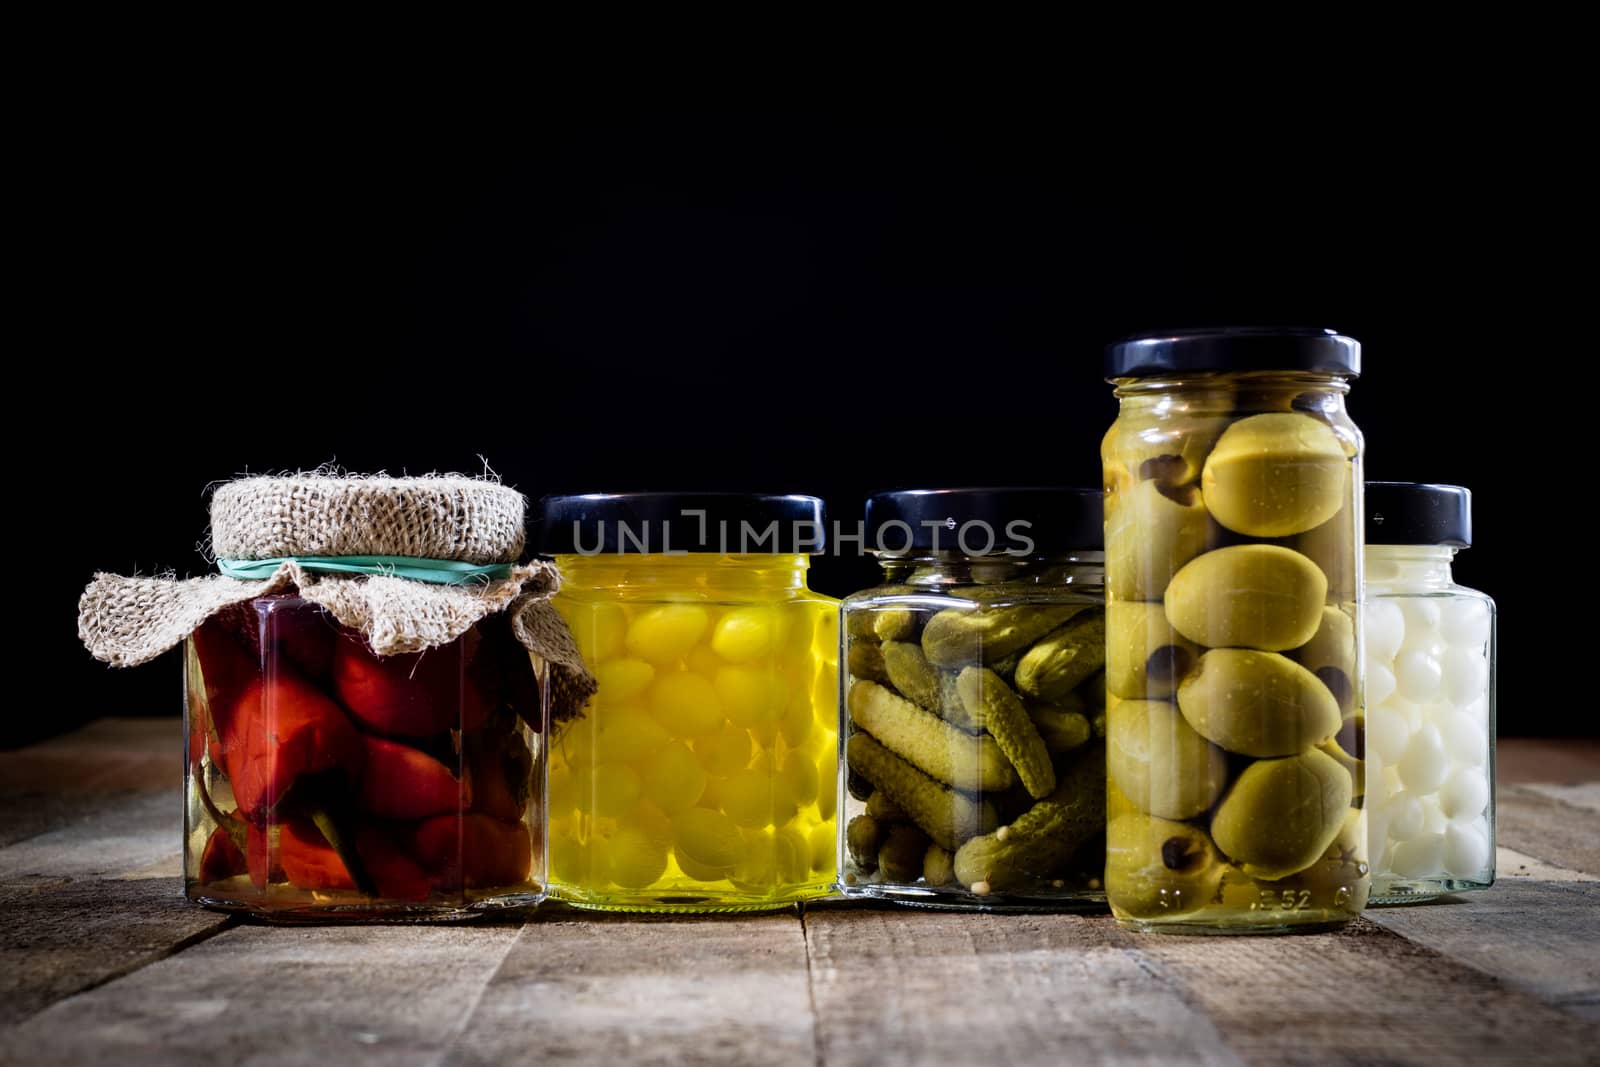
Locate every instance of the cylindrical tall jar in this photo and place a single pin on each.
(1430, 647)
(701, 777)
(973, 702)
(1233, 667)
(365, 710)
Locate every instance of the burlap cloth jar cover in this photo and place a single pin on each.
(313, 517)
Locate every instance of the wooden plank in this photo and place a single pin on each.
(1540, 937)
(106, 755)
(1585, 795)
(58, 938)
(390, 995)
(609, 989)
(1359, 996)
(914, 987)
(1546, 828)
(130, 833)
(1519, 760)
(1510, 864)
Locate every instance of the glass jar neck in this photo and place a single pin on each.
(1410, 565)
(953, 568)
(1299, 390)
(766, 572)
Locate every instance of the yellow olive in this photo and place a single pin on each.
(1157, 867)
(1276, 474)
(1152, 531)
(1247, 596)
(1257, 703)
(1282, 814)
(1336, 746)
(1145, 656)
(1160, 763)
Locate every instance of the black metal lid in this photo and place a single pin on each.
(984, 522)
(724, 523)
(1234, 348)
(1417, 513)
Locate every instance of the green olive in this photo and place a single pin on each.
(1335, 746)
(1157, 867)
(1332, 547)
(1161, 765)
(1344, 864)
(1257, 703)
(1152, 531)
(1145, 656)
(1276, 474)
(1247, 596)
(1282, 814)
(1331, 656)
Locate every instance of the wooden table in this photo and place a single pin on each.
(102, 959)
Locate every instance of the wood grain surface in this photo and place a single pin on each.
(101, 959)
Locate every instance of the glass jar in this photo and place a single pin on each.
(1430, 647)
(325, 780)
(702, 775)
(1233, 505)
(973, 701)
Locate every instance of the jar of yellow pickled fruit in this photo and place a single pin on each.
(703, 774)
(973, 703)
(1233, 620)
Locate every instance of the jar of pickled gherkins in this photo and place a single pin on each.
(1430, 717)
(702, 775)
(366, 696)
(973, 702)
(1233, 667)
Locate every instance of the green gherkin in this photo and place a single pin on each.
(1039, 844)
(862, 838)
(933, 746)
(865, 660)
(909, 671)
(900, 855)
(946, 815)
(997, 709)
(955, 638)
(1063, 658)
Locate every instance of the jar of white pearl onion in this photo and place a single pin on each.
(1430, 698)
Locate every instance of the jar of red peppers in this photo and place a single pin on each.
(368, 685)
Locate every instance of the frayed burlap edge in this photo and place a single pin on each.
(128, 621)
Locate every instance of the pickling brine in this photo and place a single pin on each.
(703, 774)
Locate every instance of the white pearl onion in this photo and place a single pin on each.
(1421, 856)
(1466, 738)
(1464, 794)
(1425, 764)
(1466, 848)
(1418, 675)
(1466, 674)
(1385, 629)
(1405, 816)
(1380, 683)
(1387, 732)
(1465, 622)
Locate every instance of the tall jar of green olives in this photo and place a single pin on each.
(1233, 654)
(973, 702)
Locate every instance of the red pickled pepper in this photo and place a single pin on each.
(309, 862)
(473, 849)
(401, 782)
(416, 694)
(270, 730)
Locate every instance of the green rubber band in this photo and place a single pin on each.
(416, 568)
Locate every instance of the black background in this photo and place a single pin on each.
(786, 299)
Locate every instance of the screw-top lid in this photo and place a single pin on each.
(1418, 513)
(725, 523)
(1023, 521)
(1234, 348)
